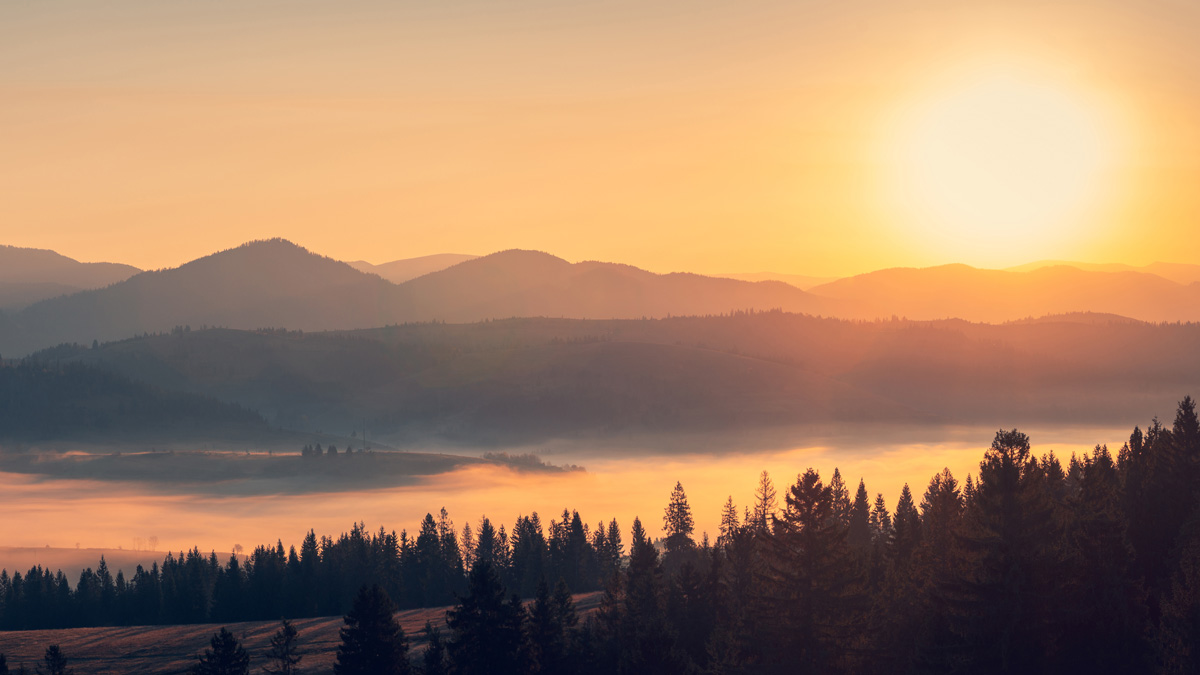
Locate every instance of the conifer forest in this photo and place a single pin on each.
(1034, 564)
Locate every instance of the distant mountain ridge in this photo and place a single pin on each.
(400, 271)
(995, 296)
(528, 380)
(275, 283)
(28, 275)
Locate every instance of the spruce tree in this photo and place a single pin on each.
(764, 505)
(283, 654)
(225, 656)
(434, 658)
(372, 642)
(841, 497)
(486, 627)
(729, 523)
(858, 534)
(1007, 596)
(678, 526)
(55, 662)
(550, 627)
(813, 586)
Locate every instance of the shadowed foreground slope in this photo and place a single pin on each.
(151, 650)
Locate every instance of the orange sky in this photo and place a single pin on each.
(702, 136)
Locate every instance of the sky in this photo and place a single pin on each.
(799, 136)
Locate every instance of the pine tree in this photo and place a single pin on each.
(56, 663)
(1008, 595)
(729, 523)
(283, 654)
(678, 523)
(881, 522)
(764, 505)
(550, 627)
(906, 530)
(486, 627)
(858, 536)
(225, 656)
(434, 658)
(812, 586)
(372, 642)
(840, 496)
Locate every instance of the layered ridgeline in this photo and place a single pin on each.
(28, 275)
(523, 380)
(278, 284)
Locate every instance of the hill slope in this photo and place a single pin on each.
(276, 283)
(28, 275)
(959, 291)
(399, 271)
(526, 380)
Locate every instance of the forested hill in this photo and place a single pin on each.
(1086, 564)
(41, 401)
(529, 379)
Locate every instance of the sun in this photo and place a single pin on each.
(1000, 166)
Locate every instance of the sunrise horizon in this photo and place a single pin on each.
(782, 337)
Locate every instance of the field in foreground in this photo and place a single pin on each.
(146, 650)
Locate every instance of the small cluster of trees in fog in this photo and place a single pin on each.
(315, 450)
(1029, 566)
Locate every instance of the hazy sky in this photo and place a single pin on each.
(712, 137)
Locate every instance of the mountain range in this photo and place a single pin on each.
(28, 275)
(275, 283)
(527, 380)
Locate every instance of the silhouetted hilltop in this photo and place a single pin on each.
(960, 291)
(276, 283)
(520, 283)
(263, 283)
(1180, 273)
(530, 379)
(28, 275)
(51, 400)
(399, 271)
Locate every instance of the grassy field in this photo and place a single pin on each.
(143, 650)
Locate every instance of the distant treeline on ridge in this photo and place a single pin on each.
(1029, 566)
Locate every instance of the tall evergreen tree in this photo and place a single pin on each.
(729, 523)
(764, 505)
(434, 657)
(678, 526)
(372, 642)
(486, 627)
(811, 585)
(858, 535)
(1008, 594)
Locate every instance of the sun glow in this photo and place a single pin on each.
(1000, 165)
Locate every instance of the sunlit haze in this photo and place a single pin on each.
(706, 138)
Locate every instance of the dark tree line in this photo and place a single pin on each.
(321, 579)
(42, 399)
(1029, 566)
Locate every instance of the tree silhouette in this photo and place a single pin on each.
(55, 662)
(283, 653)
(225, 656)
(487, 627)
(434, 658)
(372, 642)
